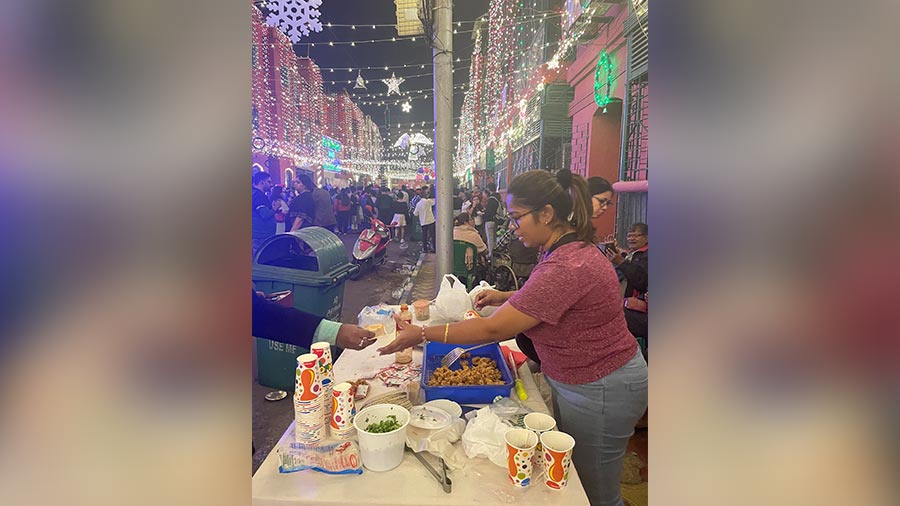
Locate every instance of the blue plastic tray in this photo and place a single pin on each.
(470, 394)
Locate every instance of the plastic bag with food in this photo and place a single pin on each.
(372, 316)
(452, 300)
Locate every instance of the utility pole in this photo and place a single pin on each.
(443, 134)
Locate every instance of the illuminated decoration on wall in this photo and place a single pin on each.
(511, 64)
(295, 18)
(290, 112)
(332, 150)
(604, 78)
(393, 83)
(406, 107)
(360, 82)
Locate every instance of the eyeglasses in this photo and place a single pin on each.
(515, 219)
(602, 202)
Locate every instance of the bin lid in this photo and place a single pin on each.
(312, 249)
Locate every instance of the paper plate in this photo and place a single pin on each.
(426, 417)
(447, 405)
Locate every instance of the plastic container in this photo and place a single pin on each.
(422, 309)
(468, 394)
(404, 356)
(381, 451)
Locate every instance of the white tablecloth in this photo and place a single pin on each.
(481, 482)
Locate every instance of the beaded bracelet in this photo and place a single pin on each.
(424, 339)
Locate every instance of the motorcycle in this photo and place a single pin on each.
(371, 247)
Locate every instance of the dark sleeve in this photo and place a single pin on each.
(261, 206)
(635, 272)
(283, 324)
(491, 211)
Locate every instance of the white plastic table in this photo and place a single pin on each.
(480, 482)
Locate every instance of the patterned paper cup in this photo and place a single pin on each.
(308, 383)
(557, 458)
(343, 409)
(520, 445)
(539, 423)
(322, 350)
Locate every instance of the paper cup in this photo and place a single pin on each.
(384, 451)
(308, 384)
(422, 309)
(539, 423)
(343, 409)
(322, 350)
(557, 458)
(520, 445)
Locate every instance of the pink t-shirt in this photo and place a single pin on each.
(576, 295)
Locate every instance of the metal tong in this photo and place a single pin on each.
(442, 478)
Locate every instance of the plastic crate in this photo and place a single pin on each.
(470, 394)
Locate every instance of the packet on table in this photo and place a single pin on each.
(335, 458)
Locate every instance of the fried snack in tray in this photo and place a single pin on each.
(482, 371)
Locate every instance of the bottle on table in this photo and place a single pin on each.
(404, 356)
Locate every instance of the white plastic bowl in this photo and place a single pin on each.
(447, 405)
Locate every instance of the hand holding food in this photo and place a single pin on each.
(489, 298)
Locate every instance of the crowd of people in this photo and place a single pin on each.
(276, 209)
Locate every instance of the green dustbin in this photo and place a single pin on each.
(313, 264)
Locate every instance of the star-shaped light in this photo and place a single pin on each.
(406, 107)
(360, 82)
(393, 83)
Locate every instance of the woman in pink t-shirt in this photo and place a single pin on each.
(571, 309)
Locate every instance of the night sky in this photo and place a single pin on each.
(364, 13)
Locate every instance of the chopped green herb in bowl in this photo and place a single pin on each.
(389, 424)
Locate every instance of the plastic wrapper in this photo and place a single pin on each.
(484, 436)
(377, 315)
(335, 458)
(440, 443)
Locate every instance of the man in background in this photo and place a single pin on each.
(324, 209)
(263, 218)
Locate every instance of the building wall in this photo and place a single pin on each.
(596, 136)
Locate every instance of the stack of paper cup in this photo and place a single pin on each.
(343, 409)
(323, 351)
(309, 405)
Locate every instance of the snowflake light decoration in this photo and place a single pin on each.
(406, 107)
(393, 83)
(360, 82)
(294, 17)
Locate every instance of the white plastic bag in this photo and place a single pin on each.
(486, 310)
(452, 300)
(484, 437)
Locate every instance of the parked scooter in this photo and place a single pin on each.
(371, 247)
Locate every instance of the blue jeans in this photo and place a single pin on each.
(601, 417)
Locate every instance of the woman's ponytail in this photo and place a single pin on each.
(581, 209)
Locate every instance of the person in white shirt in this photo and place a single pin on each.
(426, 219)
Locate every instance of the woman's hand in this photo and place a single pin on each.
(407, 337)
(489, 298)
